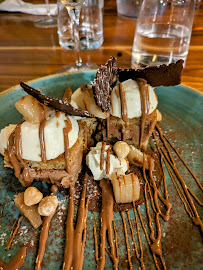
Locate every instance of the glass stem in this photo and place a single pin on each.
(75, 16)
(48, 8)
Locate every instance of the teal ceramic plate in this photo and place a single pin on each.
(182, 112)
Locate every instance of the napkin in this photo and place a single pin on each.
(20, 6)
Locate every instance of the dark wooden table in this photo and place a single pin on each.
(28, 52)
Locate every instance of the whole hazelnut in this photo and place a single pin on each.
(48, 205)
(121, 149)
(32, 196)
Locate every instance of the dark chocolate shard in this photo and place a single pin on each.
(105, 79)
(155, 76)
(56, 104)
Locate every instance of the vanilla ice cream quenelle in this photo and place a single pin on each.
(85, 100)
(53, 137)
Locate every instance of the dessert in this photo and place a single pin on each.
(103, 159)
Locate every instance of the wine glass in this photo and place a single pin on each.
(49, 21)
(74, 8)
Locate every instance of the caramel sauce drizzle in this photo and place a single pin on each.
(44, 235)
(67, 95)
(75, 239)
(156, 241)
(66, 130)
(42, 119)
(68, 254)
(12, 156)
(124, 112)
(18, 147)
(196, 219)
(42, 140)
(102, 156)
(139, 257)
(17, 261)
(126, 240)
(147, 236)
(86, 130)
(13, 232)
(107, 124)
(106, 217)
(116, 239)
(144, 97)
(186, 165)
(108, 164)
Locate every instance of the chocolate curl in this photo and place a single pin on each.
(155, 76)
(56, 104)
(104, 80)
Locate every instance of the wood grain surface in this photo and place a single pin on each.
(28, 52)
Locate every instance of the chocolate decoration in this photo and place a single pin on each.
(155, 76)
(103, 82)
(54, 103)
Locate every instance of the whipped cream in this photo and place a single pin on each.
(133, 102)
(117, 166)
(53, 134)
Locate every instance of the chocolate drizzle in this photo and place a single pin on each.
(126, 240)
(12, 156)
(42, 140)
(54, 103)
(194, 214)
(66, 130)
(17, 262)
(102, 155)
(67, 95)
(44, 235)
(13, 232)
(106, 217)
(124, 113)
(144, 98)
(75, 239)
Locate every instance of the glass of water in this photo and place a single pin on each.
(80, 28)
(90, 26)
(163, 32)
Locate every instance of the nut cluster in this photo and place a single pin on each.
(47, 205)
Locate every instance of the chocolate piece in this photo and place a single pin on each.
(54, 103)
(155, 76)
(104, 80)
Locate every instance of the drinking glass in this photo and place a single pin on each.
(49, 21)
(90, 27)
(163, 32)
(128, 8)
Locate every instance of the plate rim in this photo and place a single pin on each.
(10, 89)
(13, 88)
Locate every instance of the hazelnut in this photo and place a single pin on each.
(32, 196)
(48, 205)
(121, 149)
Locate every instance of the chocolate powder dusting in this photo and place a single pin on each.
(104, 80)
(155, 76)
(94, 192)
(56, 104)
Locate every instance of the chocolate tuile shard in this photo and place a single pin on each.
(56, 104)
(104, 80)
(155, 76)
